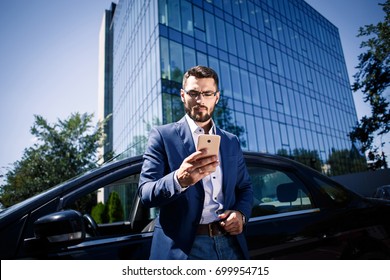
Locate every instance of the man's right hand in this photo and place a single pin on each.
(195, 167)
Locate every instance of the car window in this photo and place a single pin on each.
(335, 192)
(277, 192)
(116, 204)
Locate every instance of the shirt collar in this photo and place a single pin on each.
(195, 129)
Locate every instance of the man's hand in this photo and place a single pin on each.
(232, 221)
(195, 167)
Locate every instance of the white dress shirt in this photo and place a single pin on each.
(212, 184)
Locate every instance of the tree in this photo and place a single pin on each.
(110, 212)
(224, 120)
(373, 78)
(138, 145)
(114, 208)
(346, 161)
(306, 157)
(99, 214)
(62, 151)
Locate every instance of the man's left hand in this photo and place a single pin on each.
(232, 221)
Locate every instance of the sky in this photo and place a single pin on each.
(48, 66)
(49, 60)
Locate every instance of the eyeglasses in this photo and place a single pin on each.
(196, 94)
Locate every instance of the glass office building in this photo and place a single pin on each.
(282, 72)
(105, 78)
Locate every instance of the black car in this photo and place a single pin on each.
(382, 192)
(298, 213)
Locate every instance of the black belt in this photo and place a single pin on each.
(212, 229)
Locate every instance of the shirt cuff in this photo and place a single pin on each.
(177, 186)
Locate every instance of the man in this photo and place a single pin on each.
(204, 200)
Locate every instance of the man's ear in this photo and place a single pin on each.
(182, 95)
(218, 95)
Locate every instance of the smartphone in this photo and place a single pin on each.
(210, 142)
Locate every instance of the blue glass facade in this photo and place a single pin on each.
(282, 71)
(136, 77)
(105, 79)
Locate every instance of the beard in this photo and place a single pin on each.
(196, 115)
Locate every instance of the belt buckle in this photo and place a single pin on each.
(218, 231)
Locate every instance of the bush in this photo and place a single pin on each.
(98, 213)
(110, 212)
(115, 209)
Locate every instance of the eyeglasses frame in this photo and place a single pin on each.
(198, 93)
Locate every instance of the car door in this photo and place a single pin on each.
(116, 223)
(286, 223)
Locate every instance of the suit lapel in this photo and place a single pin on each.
(185, 134)
(224, 161)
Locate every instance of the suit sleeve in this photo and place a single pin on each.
(244, 190)
(156, 185)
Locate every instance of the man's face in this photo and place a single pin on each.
(199, 108)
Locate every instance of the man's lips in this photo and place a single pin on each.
(200, 108)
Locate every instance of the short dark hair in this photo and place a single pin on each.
(200, 72)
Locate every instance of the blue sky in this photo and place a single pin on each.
(49, 60)
(49, 66)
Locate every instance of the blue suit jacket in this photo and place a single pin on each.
(180, 213)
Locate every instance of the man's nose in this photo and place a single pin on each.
(200, 98)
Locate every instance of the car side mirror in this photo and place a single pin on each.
(64, 227)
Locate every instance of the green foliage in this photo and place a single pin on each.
(114, 208)
(306, 157)
(373, 78)
(98, 213)
(110, 212)
(138, 145)
(173, 109)
(62, 151)
(377, 160)
(177, 75)
(224, 120)
(340, 161)
(86, 203)
(345, 162)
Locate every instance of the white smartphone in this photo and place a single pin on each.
(210, 142)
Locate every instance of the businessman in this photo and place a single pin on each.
(204, 200)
